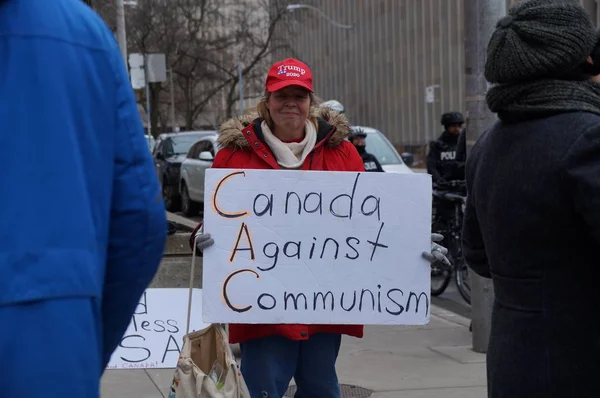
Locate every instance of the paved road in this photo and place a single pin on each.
(197, 218)
(451, 300)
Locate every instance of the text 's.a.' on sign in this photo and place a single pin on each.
(154, 337)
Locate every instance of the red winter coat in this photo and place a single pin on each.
(243, 146)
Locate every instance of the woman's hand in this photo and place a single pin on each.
(438, 252)
(203, 240)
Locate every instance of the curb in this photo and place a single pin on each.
(177, 219)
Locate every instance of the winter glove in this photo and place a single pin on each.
(203, 241)
(438, 252)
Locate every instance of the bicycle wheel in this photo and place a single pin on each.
(441, 274)
(440, 277)
(463, 283)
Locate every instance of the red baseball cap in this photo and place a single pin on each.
(289, 72)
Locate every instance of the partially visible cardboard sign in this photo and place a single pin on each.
(154, 337)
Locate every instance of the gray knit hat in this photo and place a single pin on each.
(539, 39)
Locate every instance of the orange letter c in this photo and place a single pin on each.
(213, 201)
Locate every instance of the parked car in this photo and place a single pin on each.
(169, 152)
(193, 168)
(380, 147)
(333, 104)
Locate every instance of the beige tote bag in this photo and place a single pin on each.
(206, 367)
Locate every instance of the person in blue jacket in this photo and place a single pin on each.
(83, 224)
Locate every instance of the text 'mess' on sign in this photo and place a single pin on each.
(154, 337)
(316, 247)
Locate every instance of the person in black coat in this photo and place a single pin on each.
(442, 162)
(532, 220)
(358, 139)
(445, 164)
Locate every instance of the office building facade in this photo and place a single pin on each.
(398, 68)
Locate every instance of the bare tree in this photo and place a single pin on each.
(256, 22)
(203, 41)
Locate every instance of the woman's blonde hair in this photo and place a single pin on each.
(263, 110)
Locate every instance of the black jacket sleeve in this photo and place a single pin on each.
(379, 168)
(461, 147)
(472, 238)
(432, 162)
(461, 156)
(472, 242)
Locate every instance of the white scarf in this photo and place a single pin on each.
(291, 155)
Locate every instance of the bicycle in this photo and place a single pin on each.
(453, 195)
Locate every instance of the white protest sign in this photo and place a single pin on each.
(316, 247)
(154, 337)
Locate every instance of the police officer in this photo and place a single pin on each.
(442, 161)
(357, 138)
(446, 163)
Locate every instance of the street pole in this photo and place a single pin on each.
(147, 94)
(121, 35)
(426, 113)
(172, 98)
(481, 17)
(241, 86)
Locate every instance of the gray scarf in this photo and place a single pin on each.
(543, 97)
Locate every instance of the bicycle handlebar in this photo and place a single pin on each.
(453, 196)
(456, 187)
(451, 184)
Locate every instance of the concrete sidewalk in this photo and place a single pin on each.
(429, 361)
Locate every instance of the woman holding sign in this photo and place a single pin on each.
(289, 132)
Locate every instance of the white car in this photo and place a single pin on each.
(380, 147)
(193, 169)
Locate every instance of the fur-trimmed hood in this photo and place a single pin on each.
(231, 132)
